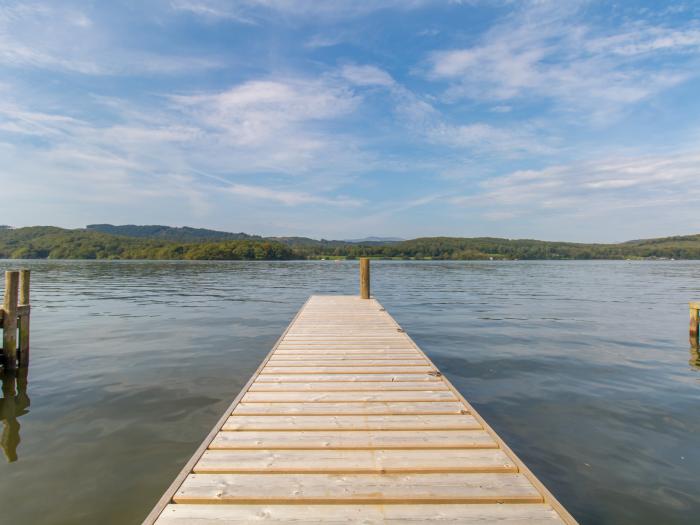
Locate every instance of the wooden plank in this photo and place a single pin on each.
(348, 411)
(365, 343)
(347, 369)
(357, 488)
(363, 439)
(340, 341)
(413, 407)
(354, 461)
(335, 378)
(352, 514)
(338, 346)
(344, 356)
(335, 335)
(347, 354)
(347, 386)
(315, 362)
(368, 422)
(339, 397)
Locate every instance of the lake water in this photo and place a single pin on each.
(584, 368)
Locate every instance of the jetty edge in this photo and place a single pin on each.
(347, 421)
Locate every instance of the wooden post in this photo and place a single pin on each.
(9, 320)
(364, 277)
(24, 318)
(694, 319)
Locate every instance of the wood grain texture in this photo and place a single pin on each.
(363, 439)
(366, 369)
(364, 278)
(411, 407)
(349, 422)
(342, 397)
(352, 514)
(345, 422)
(334, 378)
(347, 386)
(354, 461)
(9, 322)
(315, 362)
(344, 355)
(357, 488)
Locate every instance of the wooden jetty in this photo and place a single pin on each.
(348, 421)
(14, 320)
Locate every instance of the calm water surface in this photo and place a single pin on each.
(583, 367)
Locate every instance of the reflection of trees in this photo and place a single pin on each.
(14, 403)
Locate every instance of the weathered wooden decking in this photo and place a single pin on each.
(347, 421)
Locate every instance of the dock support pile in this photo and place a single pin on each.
(14, 320)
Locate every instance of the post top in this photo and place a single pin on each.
(695, 304)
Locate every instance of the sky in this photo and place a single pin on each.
(575, 120)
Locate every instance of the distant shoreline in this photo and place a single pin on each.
(166, 243)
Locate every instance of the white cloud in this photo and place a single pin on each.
(651, 183)
(247, 10)
(544, 51)
(44, 36)
(367, 76)
(321, 41)
(263, 131)
(423, 122)
(290, 198)
(510, 141)
(212, 9)
(643, 39)
(259, 111)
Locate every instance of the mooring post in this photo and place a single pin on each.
(9, 320)
(364, 277)
(24, 318)
(694, 320)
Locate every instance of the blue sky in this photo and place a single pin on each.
(552, 120)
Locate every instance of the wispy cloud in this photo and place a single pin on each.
(511, 141)
(290, 198)
(259, 130)
(212, 10)
(367, 76)
(652, 183)
(249, 10)
(544, 50)
(432, 125)
(25, 42)
(257, 111)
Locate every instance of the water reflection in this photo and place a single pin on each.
(694, 360)
(14, 404)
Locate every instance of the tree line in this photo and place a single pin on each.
(46, 242)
